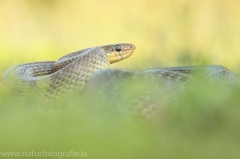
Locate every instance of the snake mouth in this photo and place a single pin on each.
(123, 51)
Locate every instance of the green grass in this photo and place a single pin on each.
(204, 125)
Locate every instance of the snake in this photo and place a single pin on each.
(89, 69)
(50, 79)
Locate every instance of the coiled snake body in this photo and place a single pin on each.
(74, 70)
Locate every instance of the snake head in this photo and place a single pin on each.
(118, 52)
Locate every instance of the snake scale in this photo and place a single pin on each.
(88, 69)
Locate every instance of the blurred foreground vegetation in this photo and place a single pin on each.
(203, 125)
(166, 33)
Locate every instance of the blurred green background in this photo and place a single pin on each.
(165, 33)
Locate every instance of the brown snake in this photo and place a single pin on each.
(89, 68)
(69, 73)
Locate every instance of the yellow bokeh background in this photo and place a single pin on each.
(165, 33)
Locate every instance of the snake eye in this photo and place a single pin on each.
(118, 48)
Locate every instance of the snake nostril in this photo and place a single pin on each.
(132, 47)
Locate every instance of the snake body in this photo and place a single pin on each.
(89, 69)
(50, 79)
